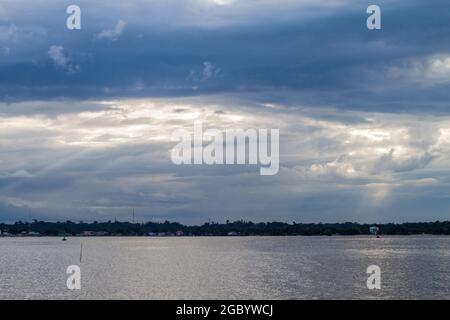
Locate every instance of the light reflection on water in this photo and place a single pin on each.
(226, 268)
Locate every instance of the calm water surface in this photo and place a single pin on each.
(226, 268)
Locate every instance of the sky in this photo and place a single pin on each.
(86, 116)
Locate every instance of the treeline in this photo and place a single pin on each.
(243, 228)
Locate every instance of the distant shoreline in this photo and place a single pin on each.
(232, 229)
(225, 236)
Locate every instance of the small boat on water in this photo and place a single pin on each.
(64, 238)
(375, 231)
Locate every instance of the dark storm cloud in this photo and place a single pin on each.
(326, 58)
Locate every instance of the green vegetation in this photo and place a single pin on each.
(243, 228)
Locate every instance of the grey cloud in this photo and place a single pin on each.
(321, 55)
(101, 160)
(388, 162)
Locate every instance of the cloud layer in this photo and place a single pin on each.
(86, 115)
(113, 156)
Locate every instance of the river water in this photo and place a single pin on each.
(414, 267)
